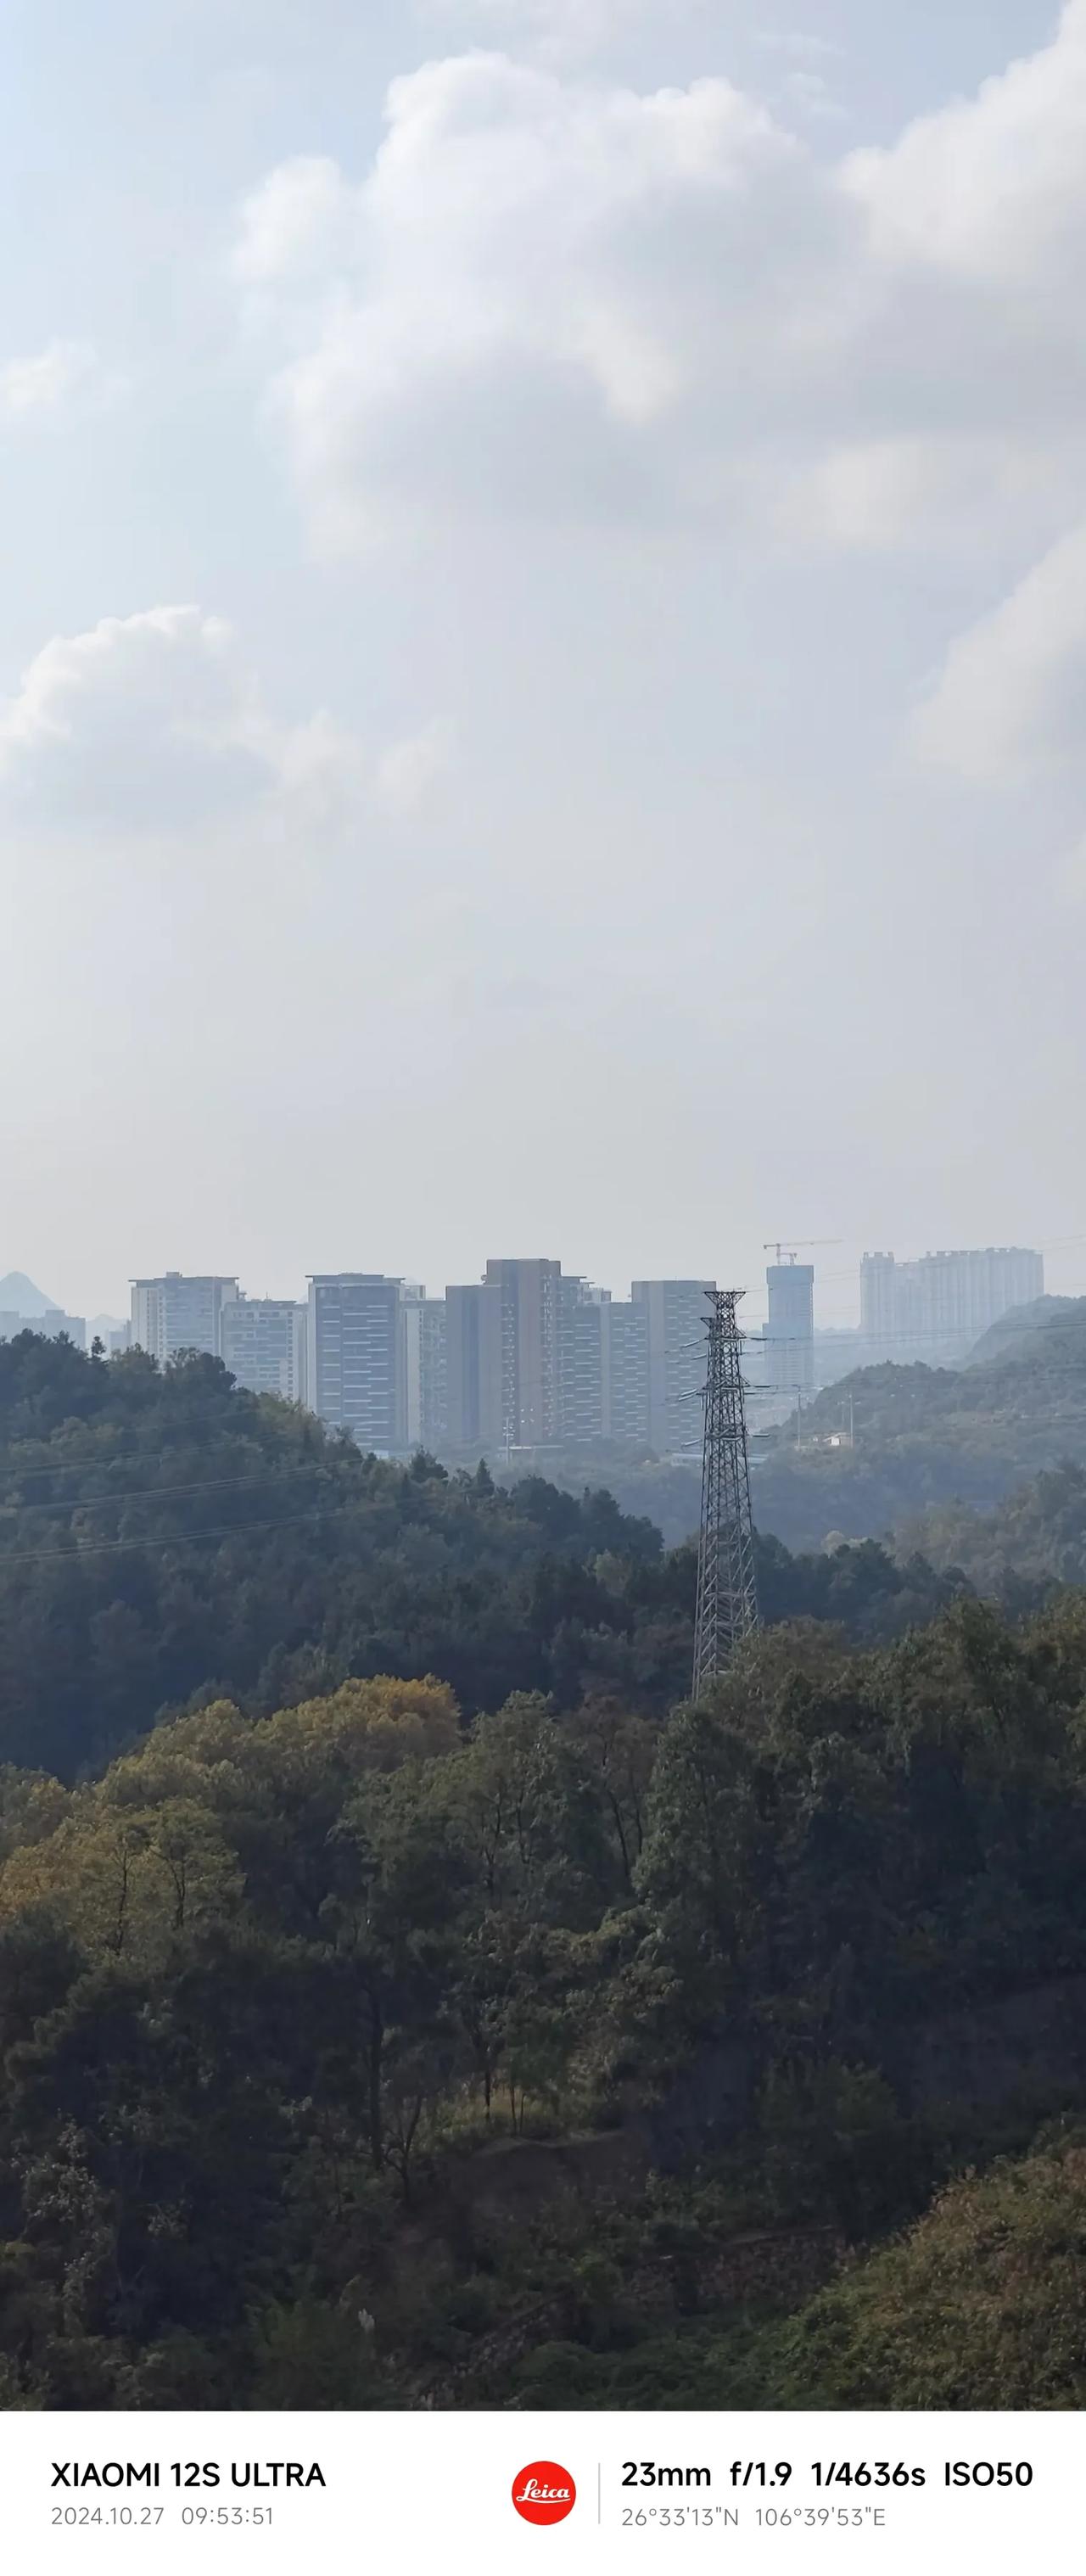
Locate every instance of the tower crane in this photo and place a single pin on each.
(816, 1243)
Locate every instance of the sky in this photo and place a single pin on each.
(543, 637)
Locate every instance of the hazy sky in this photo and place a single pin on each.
(543, 635)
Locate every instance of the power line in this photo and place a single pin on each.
(184, 1538)
(97, 1422)
(159, 1493)
(877, 1346)
(153, 1457)
(1059, 1243)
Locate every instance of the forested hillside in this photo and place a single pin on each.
(164, 1535)
(928, 1438)
(406, 1999)
(357, 2057)
(924, 1438)
(1033, 1541)
(1015, 1329)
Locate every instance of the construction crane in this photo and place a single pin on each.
(818, 1243)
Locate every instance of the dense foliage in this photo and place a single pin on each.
(366, 1887)
(164, 1535)
(1018, 1551)
(925, 1438)
(981, 2305)
(300, 2012)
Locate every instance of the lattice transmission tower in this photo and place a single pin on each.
(727, 1596)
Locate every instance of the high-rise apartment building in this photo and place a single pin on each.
(533, 1359)
(675, 1314)
(412, 1300)
(604, 1365)
(472, 1320)
(520, 1361)
(356, 1356)
(433, 1374)
(584, 1354)
(882, 1301)
(180, 1313)
(627, 1380)
(425, 1375)
(264, 1345)
(788, 1341)
(935, 1309)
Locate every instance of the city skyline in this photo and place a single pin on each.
(837, 1276)
(531, 1357)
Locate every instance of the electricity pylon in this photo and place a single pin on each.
(727, 1598)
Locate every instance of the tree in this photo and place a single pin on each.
(525, 1808)
(391, 1919)
(127, 1881)
(703, 1871)
(620, 1750)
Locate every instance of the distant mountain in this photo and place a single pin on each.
(926, 1438)
(1008, 1338)
(18, 1296)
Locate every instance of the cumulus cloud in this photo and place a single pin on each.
(1011, 700)
(518, 294)
(408, 769)
(950, 490)
(300, 226)
(990, 188)
(157, 723)
(48, 384)
(550, 296)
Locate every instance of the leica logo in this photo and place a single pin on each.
(543, 2492)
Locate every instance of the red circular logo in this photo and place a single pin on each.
(543, 2492)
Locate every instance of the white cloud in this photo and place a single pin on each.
(553, 298)
(949, 491)
(48, 384)
(532, 277)
(992, 187)
(156, 723)
(298, 226)
(139, 717)
(549, 296)
(1011, 701)
(408, 769)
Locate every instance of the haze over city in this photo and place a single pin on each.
(542, 637)
(538, 1360)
